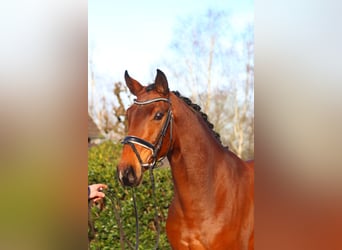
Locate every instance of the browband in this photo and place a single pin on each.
(151, 101)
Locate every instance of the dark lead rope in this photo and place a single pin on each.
(156, 217)
(115, 201)
(136, 220)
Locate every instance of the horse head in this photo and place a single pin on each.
(149, 122)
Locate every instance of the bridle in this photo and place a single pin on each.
(154, 148)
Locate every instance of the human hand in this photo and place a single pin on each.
(95, 192)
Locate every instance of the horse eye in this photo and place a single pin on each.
(158, 116)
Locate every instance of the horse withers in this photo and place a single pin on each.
(213, 202)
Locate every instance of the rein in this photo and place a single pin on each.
(156, 219)
(154, 148)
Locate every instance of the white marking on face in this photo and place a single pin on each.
(120, 175)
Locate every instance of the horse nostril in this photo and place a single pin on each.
(129, 178)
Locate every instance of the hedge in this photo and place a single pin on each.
(104, 228)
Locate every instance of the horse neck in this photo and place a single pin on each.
(194, 154)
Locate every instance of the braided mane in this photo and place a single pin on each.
(198, 109)
(194, 107)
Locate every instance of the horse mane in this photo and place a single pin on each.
(195, 107)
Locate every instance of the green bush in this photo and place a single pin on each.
(118, 204)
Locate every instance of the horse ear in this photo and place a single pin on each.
(161, 83)
(134, 86)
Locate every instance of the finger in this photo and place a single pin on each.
(103, 186)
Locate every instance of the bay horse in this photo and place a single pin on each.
(213, 202)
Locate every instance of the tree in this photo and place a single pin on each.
(108, 109)
(216, 64)
(111, 116)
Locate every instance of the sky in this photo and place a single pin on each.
(132, 35)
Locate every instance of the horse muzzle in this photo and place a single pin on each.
(128, 176)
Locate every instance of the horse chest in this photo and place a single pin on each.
(211, 231)
(182, 237)
(186, 231)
